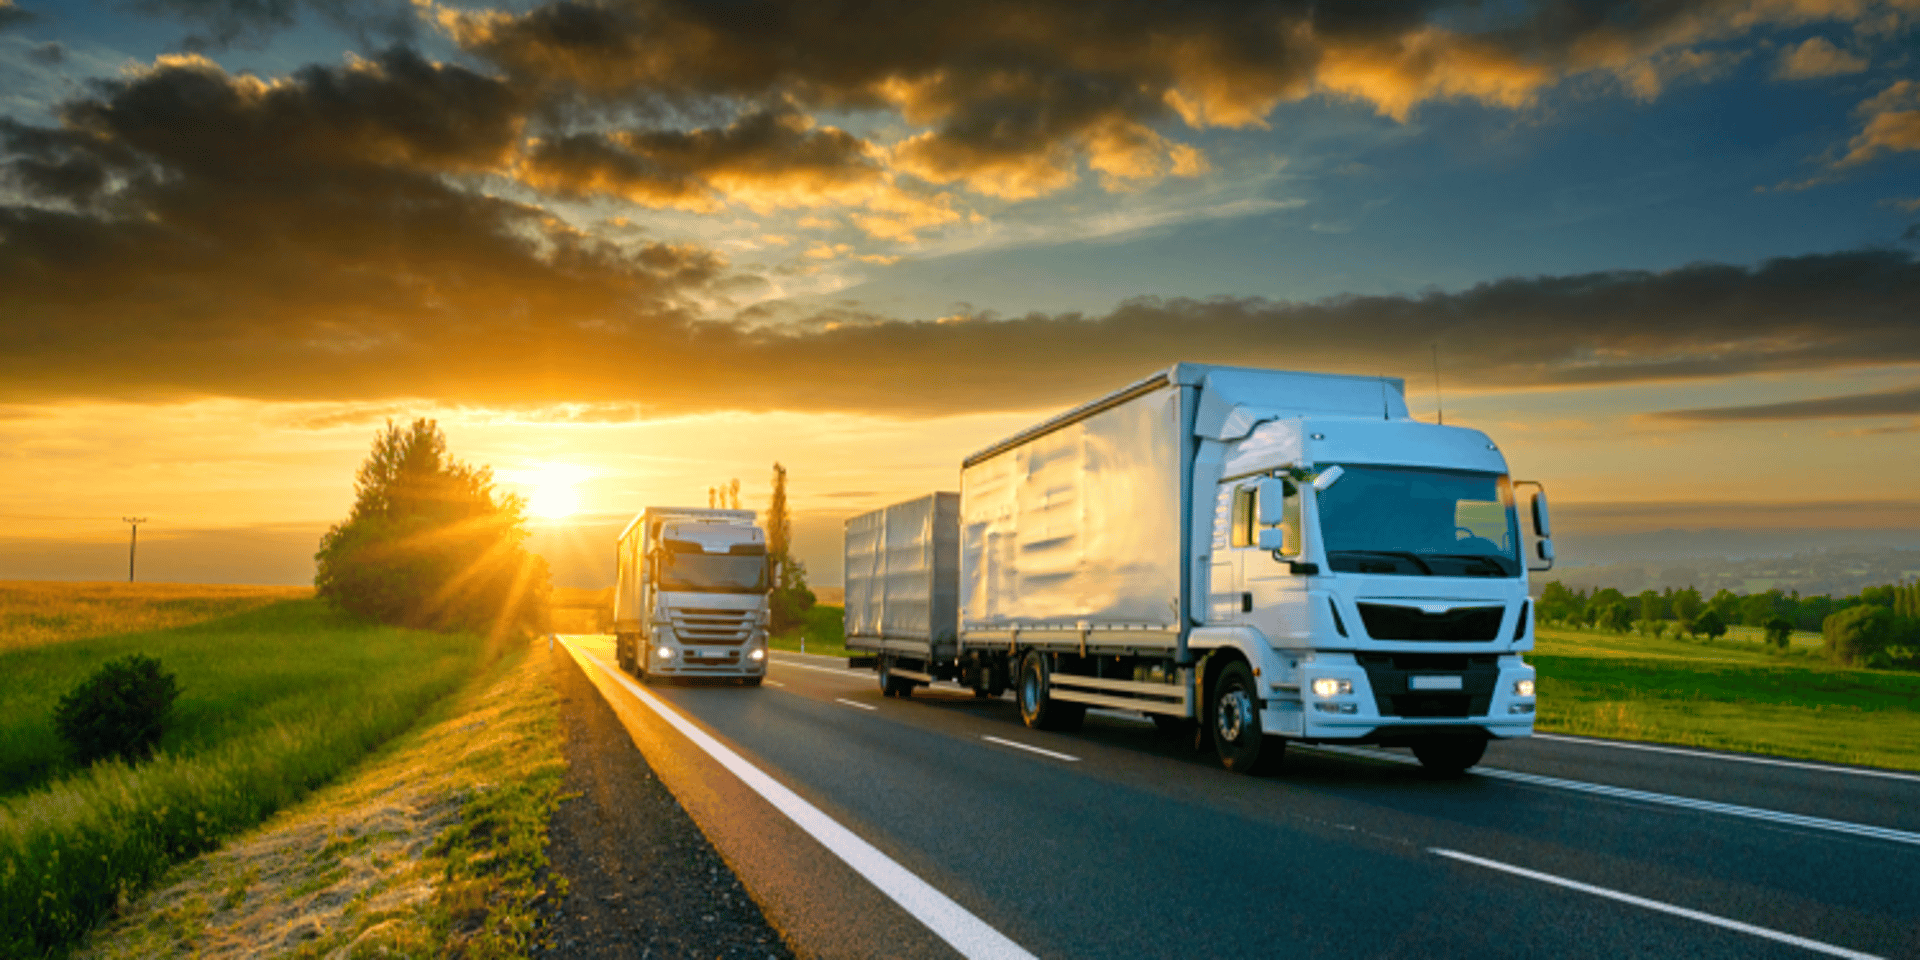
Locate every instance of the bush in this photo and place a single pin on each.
(1616, 618)
(120, 711)
(1710, 624)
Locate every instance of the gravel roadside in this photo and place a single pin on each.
(643, 882)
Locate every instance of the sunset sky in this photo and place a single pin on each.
(1665, 252)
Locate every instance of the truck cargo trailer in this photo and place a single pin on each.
(1270, 555)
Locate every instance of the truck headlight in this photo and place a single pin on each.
(757, 654)
(666, 653)
(1331, 687)
(1523, 688)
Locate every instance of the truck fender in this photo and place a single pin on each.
(1218, 645)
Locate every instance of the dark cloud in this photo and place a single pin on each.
(49, 54)
(1884, 403)
(225, 23)
(227, 235)
(1011, 96)
(773, 157)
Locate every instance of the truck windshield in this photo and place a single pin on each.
(1417, 521)
(713, 572)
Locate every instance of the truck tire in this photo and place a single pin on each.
(620, 655)
(1235, 722)
(1038, 708)
(752, 681)
(1449, 758)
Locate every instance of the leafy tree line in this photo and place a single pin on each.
(1878, 627)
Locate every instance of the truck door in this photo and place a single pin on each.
(1223, 586)
(1278, 596)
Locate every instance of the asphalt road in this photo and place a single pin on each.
(930, 827)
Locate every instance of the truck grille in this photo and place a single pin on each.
(710, 627)
(1386, 621)
(1393, 694)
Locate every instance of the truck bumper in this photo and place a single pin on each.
(1381, 704)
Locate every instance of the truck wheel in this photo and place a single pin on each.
(1038, 708)
(752, 681)
(890, 685)
(1449, 758)
(1243, 746)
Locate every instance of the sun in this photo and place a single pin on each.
(554, 492)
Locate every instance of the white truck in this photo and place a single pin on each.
(1271, 555)
(690, 597)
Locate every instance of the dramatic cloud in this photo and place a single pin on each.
(1885, 403)
(1817, 57)
(1012, 98)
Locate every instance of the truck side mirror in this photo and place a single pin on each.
(1272, 495)
(1279, 540)
(1541, 524)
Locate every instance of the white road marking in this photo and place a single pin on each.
(966, 933)
(773, 683)
(1748, 928)
(1736, 757)
(1031, 749)
(855, 703)
(1667, 799)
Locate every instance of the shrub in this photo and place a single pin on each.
(1710, 624)
(120, 711)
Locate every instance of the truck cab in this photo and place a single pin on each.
(1373, 575)
(691, 599)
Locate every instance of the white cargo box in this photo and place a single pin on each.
(902, 574)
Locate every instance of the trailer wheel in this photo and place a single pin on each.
(890, 685)
(1038, 708)
(1243, 746)
(1449, 758)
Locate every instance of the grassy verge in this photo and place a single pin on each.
(277, 701)
(1730, 695)
(434, 847)
(823, 633)
(36, 613)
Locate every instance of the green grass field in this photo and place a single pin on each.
(34, 613)
(824, 633)
(275, 701)
(1731, 694)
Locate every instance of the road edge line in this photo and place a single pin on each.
(948, 920)
(1730, 757)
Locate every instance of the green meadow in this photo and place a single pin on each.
(276, 700)
(824, 633)
(1730, 694)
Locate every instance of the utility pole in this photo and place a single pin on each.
(133, 544)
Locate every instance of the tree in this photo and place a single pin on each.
(428, 544)
(725, 496)
(1686, 605)
(1617, 617)
(790, 599)
(1710, 623)
(1779, 633)
(1857, 634)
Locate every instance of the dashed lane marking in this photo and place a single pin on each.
(1032, 749)
(1667, 908)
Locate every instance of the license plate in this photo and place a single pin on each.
(1433, 683)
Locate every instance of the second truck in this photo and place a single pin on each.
(690, 595)
(1260, 555)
